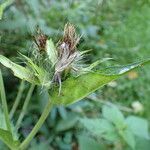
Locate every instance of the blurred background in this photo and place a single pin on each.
(111, 28)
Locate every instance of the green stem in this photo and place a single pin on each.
(38, 125)
(25, 105)
(4, 103)
(18, 98)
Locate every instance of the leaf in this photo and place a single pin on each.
(75, 88)
(4, 127)
(3, 6)
(100, 128)
(39, 72)
(19, 71)
(68, 123)
(142, 144)
(128, 136)
(7, 138)
(120, 70)
(51, 51)
(138, 126)
(35, 145)
(96, 63)
(113, 114)
(86, 143)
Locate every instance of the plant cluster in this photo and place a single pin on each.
(63, 78)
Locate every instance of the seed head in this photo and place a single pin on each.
(67, 52)
(40, 40)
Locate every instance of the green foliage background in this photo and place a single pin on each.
(111, 28)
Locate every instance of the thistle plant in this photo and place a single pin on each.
(60, 69)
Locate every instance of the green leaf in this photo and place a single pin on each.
(35, 145)
(68, 123)
(138, 126)
(142, 144)
(86, 143)
(113, 114)
(39, 72)
(3, 6)
(100, 128)
(19, 71)
(75, 88)
(4, 127)
(120, 70)
(51, 51)
(129, 138)
(96, 63)
(7, 138)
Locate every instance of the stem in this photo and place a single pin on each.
(4, 103)
(18, 98)
(38, 125)
(25, 106)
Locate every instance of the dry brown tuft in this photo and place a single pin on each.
(40, 41)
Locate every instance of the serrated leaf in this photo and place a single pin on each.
(100, 128)
(138, 126)
(113, 114)
(7, 138)
(19, 71)
(51, 51)
(75, 88)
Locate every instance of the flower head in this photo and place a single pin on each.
(67, 52)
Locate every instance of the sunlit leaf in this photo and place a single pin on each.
(119, 70)
(76, 88)
(19, 71)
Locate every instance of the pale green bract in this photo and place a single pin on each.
(51, 51)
